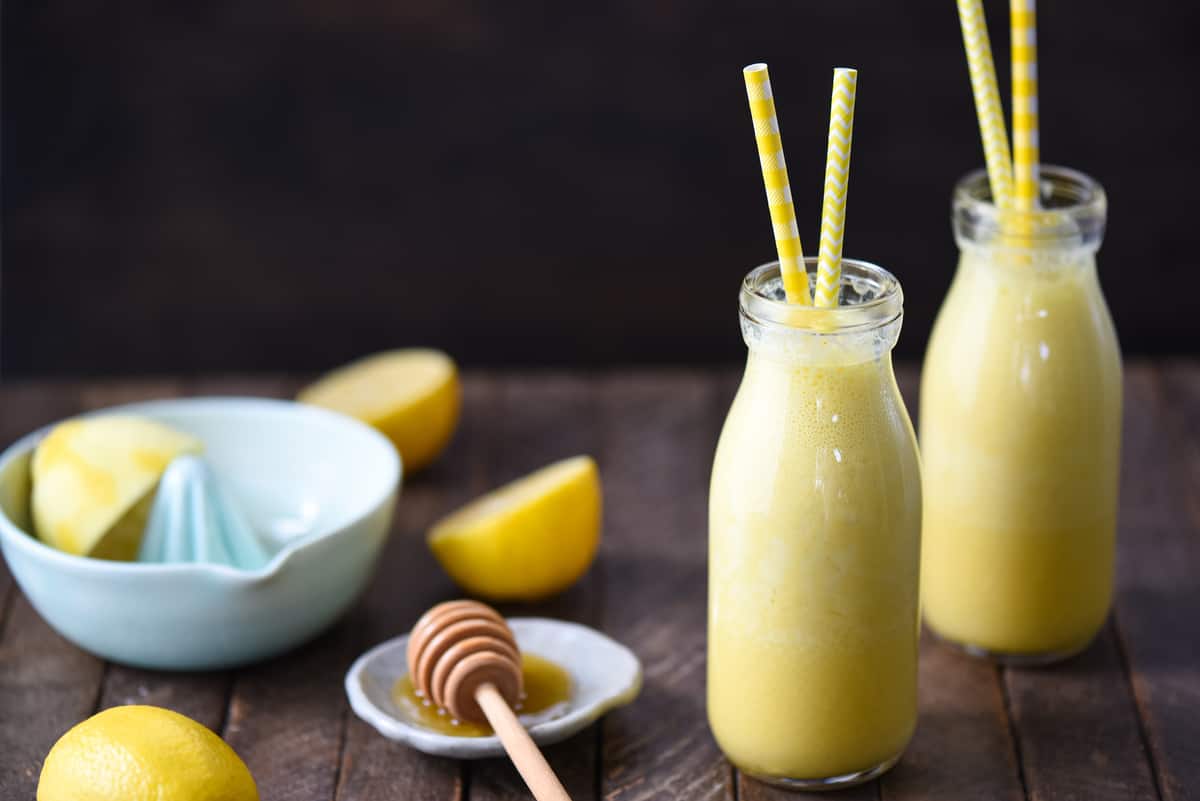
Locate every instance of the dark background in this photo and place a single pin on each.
(286, 185)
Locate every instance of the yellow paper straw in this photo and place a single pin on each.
(987, 100)
(837, 174)
(1025, 110)
(775, 178)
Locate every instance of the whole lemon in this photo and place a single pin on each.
(143, 753)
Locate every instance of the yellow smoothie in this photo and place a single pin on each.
(1020, 438)
(814, 541)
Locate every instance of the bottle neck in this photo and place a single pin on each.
(1071, 216)
(862, 327)
(797, 348)
(1025, 265)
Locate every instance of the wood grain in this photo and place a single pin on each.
(46, 684)
(659, 435)
(1077, 728)
(1158, 604)
(287, 718)
(962, 748)
(536, 420)
(407, 583)
(1120, 722)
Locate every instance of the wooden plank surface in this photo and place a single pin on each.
(46, 684)
(1077, 729)
(962, 748)
(1120, 722)
(660, 432)
(408, 582)
(533, 421)
(1158, 565)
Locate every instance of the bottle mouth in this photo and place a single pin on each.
(870, 298)
(1072, 213)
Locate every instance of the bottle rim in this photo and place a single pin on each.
(1073, 212)
(870, 297)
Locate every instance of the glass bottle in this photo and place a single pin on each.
(1021, 429)
(814, 541)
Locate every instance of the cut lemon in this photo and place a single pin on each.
(93, 482)
(411, 396)
(527, 540)
(143, 753)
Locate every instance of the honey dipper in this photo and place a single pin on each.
(463, 657)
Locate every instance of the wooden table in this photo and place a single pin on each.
(1122, 721)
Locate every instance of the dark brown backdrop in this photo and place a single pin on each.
(260, 185)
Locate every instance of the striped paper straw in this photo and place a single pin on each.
(775, 178)
(837, 174)
(987, 100)
(1025, 110)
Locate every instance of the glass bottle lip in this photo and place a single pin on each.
(871, 297)
(1073, 213)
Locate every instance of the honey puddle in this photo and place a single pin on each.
(547, 691)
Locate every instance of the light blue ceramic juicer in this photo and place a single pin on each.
(254, 549)
(195, 518)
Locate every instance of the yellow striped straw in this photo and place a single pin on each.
(837, 175)
(775, 178)
(987, 100)
(1025, 104)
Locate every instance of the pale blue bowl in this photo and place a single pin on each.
(325, 481)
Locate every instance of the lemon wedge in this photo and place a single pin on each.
(526, 540)
(412, 396)
(93, 481)
(143, 753)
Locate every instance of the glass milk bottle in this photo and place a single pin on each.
(1021, 429)
(814, 541)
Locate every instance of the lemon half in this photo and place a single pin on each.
(143, 753)
(93, 482)
(526, 540)
(412, 396)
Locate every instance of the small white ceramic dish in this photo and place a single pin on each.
(322, 483)
(604, 675)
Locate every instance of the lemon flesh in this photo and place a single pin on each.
(93, 482)
(143, 753)
(412, 396)
(527, 540)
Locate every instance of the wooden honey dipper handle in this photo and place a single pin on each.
(523, 752)
(463, 656)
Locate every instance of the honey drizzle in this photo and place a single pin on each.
(547, 691)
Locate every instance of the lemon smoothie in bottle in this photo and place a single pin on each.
(1020, 428)
(1020, 392)
(814, 541)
